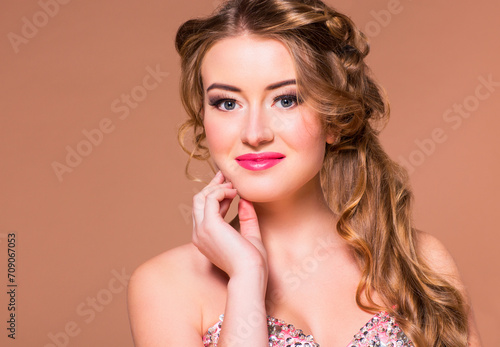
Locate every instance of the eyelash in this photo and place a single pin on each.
(219, 99)
(292, 96)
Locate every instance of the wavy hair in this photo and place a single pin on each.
(369, 191)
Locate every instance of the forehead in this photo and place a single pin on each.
(247, 59)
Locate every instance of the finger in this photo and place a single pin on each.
(208, 189)
(224, 206)
(199, 201)
(213, 201)
(218, 178)
(249, 224)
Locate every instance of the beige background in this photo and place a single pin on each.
(128, 199)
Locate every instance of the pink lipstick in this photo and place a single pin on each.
(259, 161)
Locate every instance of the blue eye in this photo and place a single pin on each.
(286, 101)
(223, 104)
(227, 105)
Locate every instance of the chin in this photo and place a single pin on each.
(256, 195)
(260, 190)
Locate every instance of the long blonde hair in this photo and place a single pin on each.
(368, 190)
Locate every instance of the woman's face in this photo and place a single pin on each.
(264, 141)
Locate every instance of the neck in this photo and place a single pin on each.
(294, 226)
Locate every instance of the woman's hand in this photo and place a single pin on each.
(233, 252)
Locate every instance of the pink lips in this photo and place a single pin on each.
(259, 161)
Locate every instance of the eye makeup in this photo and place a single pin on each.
(216, 100)
(288, 94)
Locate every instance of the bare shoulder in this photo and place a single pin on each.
(164, 300)
(435, 254)
(184, 262)
(437, 257)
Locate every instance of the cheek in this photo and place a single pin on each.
(213, 138)
(220, 142)
(309, 136)
(313, 149)
(219, 139)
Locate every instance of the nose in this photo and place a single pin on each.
(256, 129)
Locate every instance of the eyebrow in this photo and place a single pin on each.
(280, 84)
(238, 90)
(223, 87)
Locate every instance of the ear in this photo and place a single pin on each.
(201, 114)
(331, 136)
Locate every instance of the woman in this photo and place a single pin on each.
(281, 102)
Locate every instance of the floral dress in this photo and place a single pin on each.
(381, 331)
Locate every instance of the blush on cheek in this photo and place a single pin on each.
(222, 134)
(215, 137)
(219, 147)
(310, 128)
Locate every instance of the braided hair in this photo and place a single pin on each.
(368, 190)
